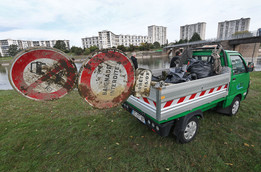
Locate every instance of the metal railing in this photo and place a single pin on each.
(248, 34)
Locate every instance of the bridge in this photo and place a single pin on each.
(247, 46)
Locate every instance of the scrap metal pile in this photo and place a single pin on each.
(189, 68)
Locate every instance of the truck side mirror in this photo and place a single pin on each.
(250, 66)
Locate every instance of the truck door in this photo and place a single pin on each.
(240, 76)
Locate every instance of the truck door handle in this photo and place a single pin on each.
(234, 79)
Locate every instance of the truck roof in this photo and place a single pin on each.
(230, 51)
(211, 48)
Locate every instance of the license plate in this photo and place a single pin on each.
(138, 116)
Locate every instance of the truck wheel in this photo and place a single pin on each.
(190, 130)
(234, 106)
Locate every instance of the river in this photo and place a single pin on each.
(147, 61)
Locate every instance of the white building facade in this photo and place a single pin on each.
(108, 39)
(24, 44)
(187, 31)
(158, 34)
(226, 29)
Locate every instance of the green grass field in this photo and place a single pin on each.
(69, 135)
(6, 59)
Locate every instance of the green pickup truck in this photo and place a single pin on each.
(177, 108)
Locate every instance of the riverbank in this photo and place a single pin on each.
(69, 135)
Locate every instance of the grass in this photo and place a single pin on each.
(6, 59)
(69, 135)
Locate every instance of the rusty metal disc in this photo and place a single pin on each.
(42, 73)
(106, 79)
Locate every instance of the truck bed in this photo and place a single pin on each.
(173, 99)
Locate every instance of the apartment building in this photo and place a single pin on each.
(187, 31)
(226, 29)
(4, 46)
(135, 40)
(24, 44)
(158, 34)
(107, 39)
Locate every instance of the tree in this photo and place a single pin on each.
(156, 44)
(73, 49)
(181, 41)
(87, 51)
(0, 55)
(131, 47)
(195, 37)
(122, 48)
(141, 47)
(93, 48)
(146, 46)
(151, 46)
(77, 50)
(13, 50)
(241, 34)
(60, 44)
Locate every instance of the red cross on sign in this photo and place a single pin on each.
(106, 79)
(42, 73)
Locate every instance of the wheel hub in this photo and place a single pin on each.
(190, 130)
(235, 107)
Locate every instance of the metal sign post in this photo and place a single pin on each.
(42, 73)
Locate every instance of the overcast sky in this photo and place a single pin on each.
(76, 19)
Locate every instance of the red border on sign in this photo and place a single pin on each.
(88, 69)
(21, 62)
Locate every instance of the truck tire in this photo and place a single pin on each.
(234, 107)
(189, 130)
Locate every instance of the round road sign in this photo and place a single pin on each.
(42, 73)
(106, 79)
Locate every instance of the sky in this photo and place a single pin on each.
(76, 19)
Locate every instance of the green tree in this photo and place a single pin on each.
(0, 55)
(121, 47)
(182, 41)
(151, 46)
(141, 47)
(77, 50)
(93, 48)
(146, 46)
(60, 44)
(73, 49)
(131, 47)
(242, 33)
(13, 50)
(195, 37)
(87, 51)
(156, 44)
